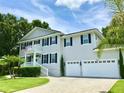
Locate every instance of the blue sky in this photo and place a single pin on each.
(64, 15)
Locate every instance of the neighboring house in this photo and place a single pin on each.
(45, 47)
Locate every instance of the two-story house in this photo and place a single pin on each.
(45, 47)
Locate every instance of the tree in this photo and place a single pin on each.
(45, 25)
(114, 32)
(116, 5)
(12, 29)
(11, 62)
(36, 23)
(62, 66)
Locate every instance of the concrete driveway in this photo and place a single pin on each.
(73, 85)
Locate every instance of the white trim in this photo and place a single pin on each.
(39, 37)
(107, 49)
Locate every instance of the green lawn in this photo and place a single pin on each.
(11, 85)
(118, 87)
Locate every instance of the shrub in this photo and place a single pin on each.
(3, 70)
(62, 66)
(28, 71)
(121, 66)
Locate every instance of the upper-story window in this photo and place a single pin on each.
(24, 45)
(53, 58)
(29, 43)
(68, 42)
(45, 42)
(36, 42)
(86, 38)
(53, 40)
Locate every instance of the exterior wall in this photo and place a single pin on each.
(53, 68)
(77, 52)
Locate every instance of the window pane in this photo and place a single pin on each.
(53, 40)
(53, 58)
(85, 39)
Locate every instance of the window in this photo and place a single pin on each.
(53, 58)
(22, 46)
(68, 42)
(28, 43)
(100, 61)
(36, 42)
(53, 40)
(108, 61)
(113, 61)
(45, 58)
(45, 42)
(29, 58)
(86, 38)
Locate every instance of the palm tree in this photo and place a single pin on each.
(115, 31)
(114, 37)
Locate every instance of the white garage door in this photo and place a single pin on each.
(101, 68)
(73, 69)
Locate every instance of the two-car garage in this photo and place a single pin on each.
(93, 68)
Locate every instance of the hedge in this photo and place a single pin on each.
(28, 71)
(3, 70)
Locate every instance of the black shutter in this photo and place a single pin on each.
(42, 59)
(56, 58)
(50, 58)
(70, 41)
(47, 58)
(56, 39)
(38, 41)
(47, 41)
(89, 36)
(42, 42)
(81, 39)
(50, 40)
(64, 42)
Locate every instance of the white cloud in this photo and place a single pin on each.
(94, 17)
(54, 22)
(74, 4)
(44, 9)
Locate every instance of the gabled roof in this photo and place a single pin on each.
(38, 32)
(95, 30)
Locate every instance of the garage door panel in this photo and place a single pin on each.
(72, 69)
(101, 69)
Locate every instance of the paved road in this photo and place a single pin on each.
(73, 85)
